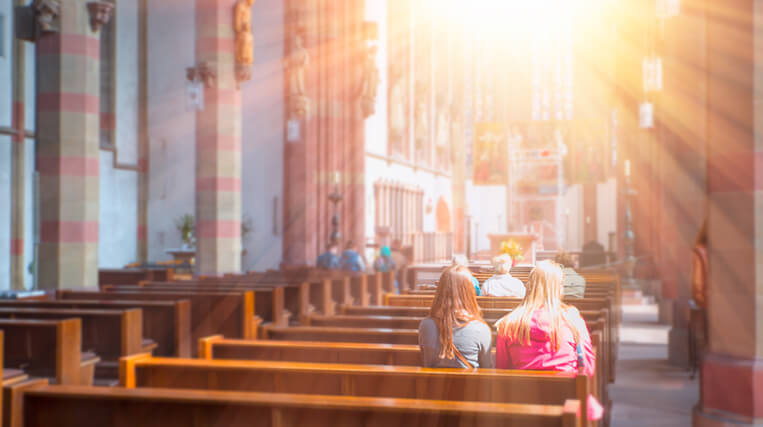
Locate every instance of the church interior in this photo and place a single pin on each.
(368, 212)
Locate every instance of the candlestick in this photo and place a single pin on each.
(628, 168)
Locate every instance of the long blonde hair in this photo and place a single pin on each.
(454, 305)
(544, 291)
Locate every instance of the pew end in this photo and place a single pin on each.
(127, 369)
(205, 346)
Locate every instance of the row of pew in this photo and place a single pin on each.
(311, 348)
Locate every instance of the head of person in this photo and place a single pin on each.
(545, 288)
(460, 261)
(397, 244)
(454, 305)
(332, 247)
(385, 251)
(565, 259)
(502, 264)
(349, 246)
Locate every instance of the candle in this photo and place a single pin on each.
(628, 168)
(336, 178)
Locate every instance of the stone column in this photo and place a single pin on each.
(18, 163)
(218, 143)
(732, 372)
(590, 227)
(68, 86)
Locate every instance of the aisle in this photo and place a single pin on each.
(649, 391)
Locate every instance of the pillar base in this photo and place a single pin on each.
(703, 419)
(731, 391)
(678, 346)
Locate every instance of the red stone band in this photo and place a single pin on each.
(745, 397)
(219, 229)
(17, 247)
(68, 166)
(69, 231)
(69, 44)
(218, 184)
(142, 233)
(68, 102)
(214, 45)
(220, 143)
(18, 121)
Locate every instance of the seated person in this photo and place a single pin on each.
(543, 333)
(574, 284)
(454, 335)
(329, 259)
(351, 259)
(503, 284)
(460, 261)
(384, 261)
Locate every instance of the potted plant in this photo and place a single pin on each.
(511, 248)
(185, 225)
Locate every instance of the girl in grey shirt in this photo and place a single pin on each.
(455, 335)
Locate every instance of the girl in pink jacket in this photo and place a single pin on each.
(543, 333)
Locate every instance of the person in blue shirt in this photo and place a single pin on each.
(461, 261)
(351, 259)
(329, 259)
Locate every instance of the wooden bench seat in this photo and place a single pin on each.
(167, 323)
(228, 313)
(49, 349)
(483, 385)
(96, 407)
(110, 334)
(124, 276)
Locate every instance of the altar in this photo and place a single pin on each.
(528, 242)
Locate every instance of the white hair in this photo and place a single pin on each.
(502, 264)
(460, 260)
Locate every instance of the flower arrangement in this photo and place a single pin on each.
(185, 225)
(511, 248)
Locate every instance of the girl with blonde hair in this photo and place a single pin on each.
(454, 335)
(543, 333)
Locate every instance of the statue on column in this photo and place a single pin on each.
(295, 65)
(47, 11)
(370, 83)
(244, 53)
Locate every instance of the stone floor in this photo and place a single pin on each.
(648, 391)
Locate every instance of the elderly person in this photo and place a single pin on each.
(574, 283)
(503, 284)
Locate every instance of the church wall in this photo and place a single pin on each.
(486, 205)
(171, 127)
(377, 165)
(262, 140)
(573, 218)
(118, 216)
(5, 214)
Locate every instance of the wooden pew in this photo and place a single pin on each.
(483, 385)
(124, 276)
(48, 348)
(217, 347)
(96, 407)
(228, 313)
(269, 300)
(165, 322)
(329, 334)
(13, 398)
(110, 334)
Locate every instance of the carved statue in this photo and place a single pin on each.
(294, 65)
(242, 26)
(397, 111)
(47, 11)
(370, 83)
(100, 13)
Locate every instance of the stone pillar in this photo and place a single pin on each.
(18, 163)
(218, 143)
(143, 142)
(590, 227)
(68, 86)
(680, 126)
(732, 372)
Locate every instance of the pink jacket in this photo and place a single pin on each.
(538, 355)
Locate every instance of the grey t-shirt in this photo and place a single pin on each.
(472, 340)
